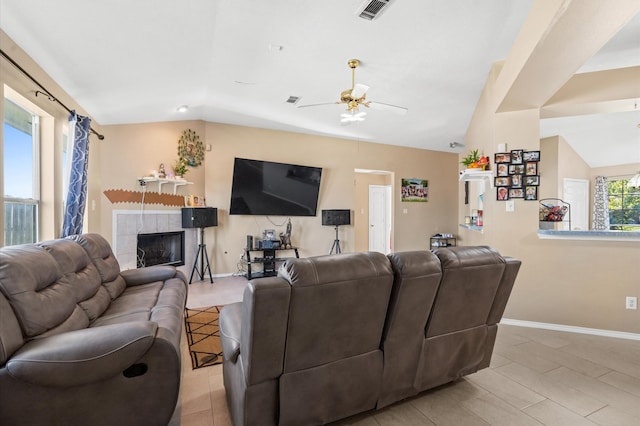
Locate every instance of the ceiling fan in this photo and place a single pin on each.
(357, 96)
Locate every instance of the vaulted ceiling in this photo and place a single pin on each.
(239, 61)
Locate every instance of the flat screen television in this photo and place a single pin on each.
(274, 189)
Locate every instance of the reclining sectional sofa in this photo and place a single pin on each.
(82, 343)
(333, 336)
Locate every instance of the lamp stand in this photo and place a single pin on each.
(336, 243)
(202, 254)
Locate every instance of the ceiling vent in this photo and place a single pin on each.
(372, 9)
(293, 99)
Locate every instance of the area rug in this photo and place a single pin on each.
(203, 336)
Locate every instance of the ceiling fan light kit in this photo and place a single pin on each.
(356, 96)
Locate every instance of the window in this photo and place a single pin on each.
(21, 174)
(624, 206)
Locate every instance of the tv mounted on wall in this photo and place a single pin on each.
(274, 189)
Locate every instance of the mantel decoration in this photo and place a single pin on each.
(190, 148)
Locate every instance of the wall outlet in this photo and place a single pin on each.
(632, 302)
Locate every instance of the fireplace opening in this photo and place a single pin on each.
(161, 248)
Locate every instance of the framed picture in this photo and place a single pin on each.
(195, 201)
(516, 169)
(503, 169)
(531, 168)
(531, 156)
(502, 157)
(503, 181)
(516, 181)
(516, 156)
(414, 190)
(503, 194)
(516, 193)
(532, 180)
(530, 192)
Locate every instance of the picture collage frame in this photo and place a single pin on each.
(517, 175)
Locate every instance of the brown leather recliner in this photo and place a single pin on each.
(304, 347)
(82, 343)
(333, 336)
(440, 329)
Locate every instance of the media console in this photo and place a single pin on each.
(268, 260)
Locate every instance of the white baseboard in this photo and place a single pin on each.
(572, 329)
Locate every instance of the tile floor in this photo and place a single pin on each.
(537, 377)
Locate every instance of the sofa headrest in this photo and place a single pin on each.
(337, 268)
(38, 291)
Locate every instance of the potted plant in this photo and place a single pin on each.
(471, 160)
(475, 161)
(180, 167)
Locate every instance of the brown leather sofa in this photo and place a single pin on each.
(82, 343)
(333, 336)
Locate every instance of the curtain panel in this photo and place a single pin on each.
(79, 127)
(601, 205)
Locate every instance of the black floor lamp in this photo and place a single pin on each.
(200, 217)
(336, 218)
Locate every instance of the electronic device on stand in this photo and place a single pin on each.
(336, 218)
(200, 217)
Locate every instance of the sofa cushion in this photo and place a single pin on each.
(468, 274)
(99, 251)
(338, 303)
(29, 277)
(83, 276)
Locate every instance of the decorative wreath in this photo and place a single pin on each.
(190, 148)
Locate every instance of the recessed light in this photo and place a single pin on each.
(182, 108)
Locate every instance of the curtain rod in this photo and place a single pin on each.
(44, 90)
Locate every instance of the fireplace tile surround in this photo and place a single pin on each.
(127, 224)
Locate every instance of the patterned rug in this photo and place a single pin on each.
(203, 336)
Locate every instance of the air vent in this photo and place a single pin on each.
(372, 9)
(293, 99)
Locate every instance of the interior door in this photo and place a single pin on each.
(576, 193)
(379, 218)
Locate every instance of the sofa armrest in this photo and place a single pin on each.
(150, 274)
(230, 327)
(82, 356)
(512, 266)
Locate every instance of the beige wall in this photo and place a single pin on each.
(130, 151)
(560, 161)
(568, 282)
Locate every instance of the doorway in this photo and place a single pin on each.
(576, 193)
(373, 218)
(380, 218)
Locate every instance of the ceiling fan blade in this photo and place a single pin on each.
(388, 107)
(314, 105)
(359, 90)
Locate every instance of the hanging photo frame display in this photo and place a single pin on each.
(191, 148)
(517, 175)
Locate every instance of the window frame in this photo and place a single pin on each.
(626, 192)
(36, 165)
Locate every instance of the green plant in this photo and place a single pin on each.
(180, 167)
(473, 157)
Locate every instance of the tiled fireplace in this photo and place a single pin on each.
(127, 224)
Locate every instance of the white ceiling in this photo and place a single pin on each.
(237, 61)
